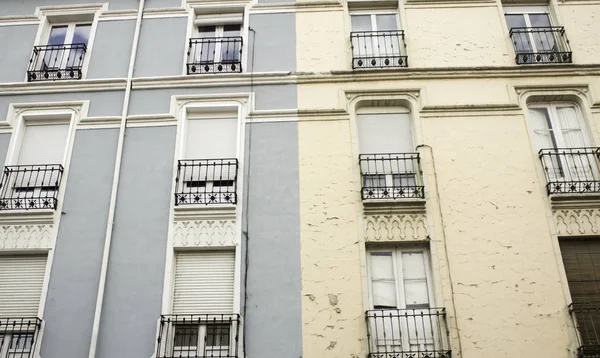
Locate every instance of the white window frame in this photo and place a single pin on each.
(531, 10)
(373, 14)
(551, 108)
(200, 348)
(200, 8)
(6, 339)
(70, 14)
(399, 280)
(219, 33)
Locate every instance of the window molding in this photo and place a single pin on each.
(86, 13)
(197, 8)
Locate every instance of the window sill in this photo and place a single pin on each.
(34, 216)
(408, 205)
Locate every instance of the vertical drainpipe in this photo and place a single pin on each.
(115, 184)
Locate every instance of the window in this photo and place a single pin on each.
(581, 258)
(402, 320)
(390, 168)
(21, 281)
(569, 162)
(203, 323)
(63, 55)
(217, 44)
(376, 41)
(34, 182)
(208, 172)
(534, 38)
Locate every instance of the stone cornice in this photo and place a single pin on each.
(281, 78)
(13, 88)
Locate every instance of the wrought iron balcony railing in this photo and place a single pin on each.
(541, 45)
(571, 170)
(391, 176)
(587, 319)
(206, 181)
(30, 187)
(198, 336)
(378, 49)
(214, 55)
(19, 337)
(408, 333)
(56, 62)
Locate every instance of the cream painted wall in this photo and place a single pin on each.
(582, 26)
(507, 288)
(320, 42)
(456, 37)
(332, 308)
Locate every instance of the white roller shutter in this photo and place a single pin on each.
(204, 282)
(211, 138)
(44, 144)
(384, 133)
(21, 281)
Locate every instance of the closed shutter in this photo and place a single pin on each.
(384, 133)
(211, 138)
(204, 282)
(21, 281)
(43, 144)
(581, 258)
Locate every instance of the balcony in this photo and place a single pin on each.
(30, 187)
(587, 318)
(378, 49)
(391, 176)
(571, 170)
(19, 337)
(206, 181)
(56, 62)
(198, 336)
(408, 333)
(214, 55)
(540, 45)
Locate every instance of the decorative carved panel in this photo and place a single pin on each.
(204, 233)
(396, 227)
(571, 222)
(34, 236)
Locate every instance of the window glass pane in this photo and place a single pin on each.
(413, 265)
(384, 294)
(231, 46)
(542, 128)
(361, 23)
(539, 20)
(416, 292)
(186, 336)
(81, 34)
(382, 265)
(386, 22)
(217, 335)
(21, 341)
(374, 181)
(57, 35)
(404, 180)
(206, 31)
(515, 20)
(232, 30)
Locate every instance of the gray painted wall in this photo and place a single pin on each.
(107, 103)
(27, 7)
(134, 282)
(273, 325)
(162, 47)
(112, 49)
(162, 3)
(16, 43)
(75, 274)
(274, 41)
(157, 101)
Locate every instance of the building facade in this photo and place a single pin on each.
(261, 179)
